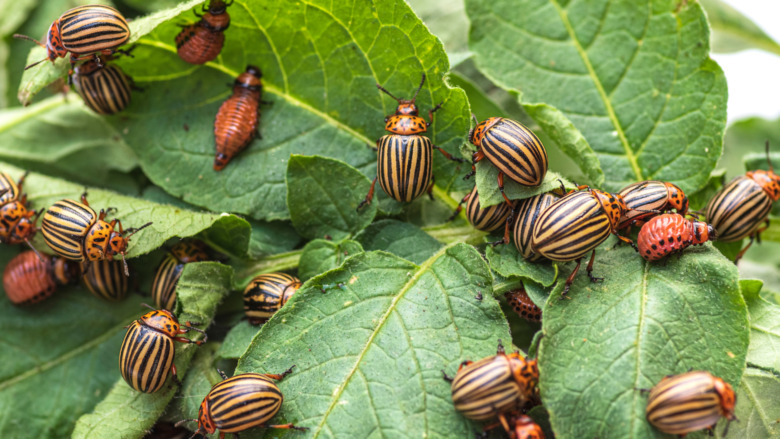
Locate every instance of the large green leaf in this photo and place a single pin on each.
(764, 347)
(369, 356)
(508, 262)
(323, 195)
(321, 79)
(226, 232)
(320, 255)
(446, 20)
(757, 405)
(10, 21)
(125, 412)
(33, 138)
(643, 322)
(633, 76)
(400, 239)
(59, 358)
(733, 32)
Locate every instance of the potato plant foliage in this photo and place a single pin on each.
(618, 90)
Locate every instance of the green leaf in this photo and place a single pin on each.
(644, 321)
(38, 77)
(482, 106)
(63, 138)
(400, 239)
(201, 377)
(227, 232)
(237, 340)
(369, 357)
(447, 21)
(321, 78)
(757, 405)
(323, 195)
(633, 77)
(508, 262)
(699, 200)
(733, 32)
(764, 349)
(125, 412)
(12, 18)
(54, 358)
(320, 255)
(748, 136)
(490, 194)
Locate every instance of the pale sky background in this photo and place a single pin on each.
(754, 75)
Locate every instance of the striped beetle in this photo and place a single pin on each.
(645, 198)
(147, 350)
(242, 402)
(74, 231)
(494, 385)
(671, 233)
(527, 212)
(523, 305)
(487, 219)
(405, 157)
(106, 280)
(30, 277)
(167, 275)
(512, 148)
(740, 208)
(17, 223)
(577, 224)
(266, 294)
(680, 404)
(201, 42)
(238, 118)
(84, 31)
(106, 89)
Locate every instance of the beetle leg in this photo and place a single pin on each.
(459, 208)
(369, 197)
(449, 156)
(464, 364)
(508, 225)
(430, 113)
(280, 376)
(285, 426)
(446, 377)
(222, 374)
(84, 198)
(570, 279)
(627, 240)
(742, 252)
(590, 268)
(430, 187)
(476, 157)
(175, 376)
(501, 186)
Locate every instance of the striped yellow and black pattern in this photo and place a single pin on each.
(106, 279)
(516, 151)
(527, 211)
(266, 293)
(488, 219)
(688, 402)
(242, 402)
(65, 224)
(165, 279)
(145, 357)
(9, 191)
(738, 209)
(570, 227)
(645, 195)
(404, 165)
(487, 387)
(92, 28)
(105, 90)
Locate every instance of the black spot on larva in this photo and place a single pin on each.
(661, 242)
(679, 238)
(647, 251)
(655, 247)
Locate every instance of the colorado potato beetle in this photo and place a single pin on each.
(512, 148)
(527, 212)
(74, 231)
(238, 118)
(17, 223)
(30, 278)
(577, 224)
(266, 294)
(680, 404)
(519, 426)
(405, 157)
(488, 219)
(106, 280)
(201, 42)
(147, 350)
(523, 305)
(645, 198)
(167, 275)
(741, 208)
(242, 402)
(106, 89)
(494, 385)
(84, 32)
(671, 233)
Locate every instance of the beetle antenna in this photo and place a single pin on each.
(27, 241)
(205, 336)
(474, 118)
(149, 306)
(387, 92)
(25, 37)
(35, 64)
(179, 424)
(124, 262)
(132, 231)
(419, 88)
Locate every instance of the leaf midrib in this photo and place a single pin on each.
(358, 360)
(630, 156)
